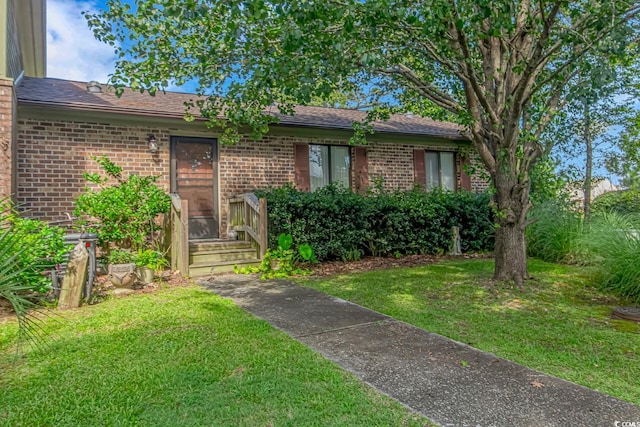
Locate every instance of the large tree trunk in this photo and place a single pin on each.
(512, 203)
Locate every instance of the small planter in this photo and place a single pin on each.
(145, 275)
(122, 275)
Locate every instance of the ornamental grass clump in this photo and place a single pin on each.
(554, 234)
(612, 245)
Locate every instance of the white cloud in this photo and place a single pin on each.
(72, 51)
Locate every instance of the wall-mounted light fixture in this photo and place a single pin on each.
(153, 144)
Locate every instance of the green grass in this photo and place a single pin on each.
(559, 325)
(179, 357)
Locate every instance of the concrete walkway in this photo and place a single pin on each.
(446, 381)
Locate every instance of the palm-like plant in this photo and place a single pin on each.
(12, 287)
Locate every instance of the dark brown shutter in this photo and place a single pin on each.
(419, 171)
(301, 159)
(465, 179)
(360, 169)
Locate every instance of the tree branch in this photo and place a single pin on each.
(440, 98)
(472, 79)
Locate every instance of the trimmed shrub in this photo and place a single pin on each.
(622, 202)
(339, 224)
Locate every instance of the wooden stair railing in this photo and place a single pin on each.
(179, 234)
(248, 217)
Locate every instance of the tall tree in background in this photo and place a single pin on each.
(626, 161)
(602, 100)
(501, 68)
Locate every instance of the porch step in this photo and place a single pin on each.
(216, 255)
(219, 256)
(208, 268)
(215, 244)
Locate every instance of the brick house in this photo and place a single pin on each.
(51, 128)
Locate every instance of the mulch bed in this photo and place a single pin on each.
(329, 268)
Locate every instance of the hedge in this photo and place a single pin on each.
(340, 224)
(622, 202)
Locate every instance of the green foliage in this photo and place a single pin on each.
(340, 224)
(613, 247)
(626, 160)
(41, 247)
(622, 202)
(285, 241)
(123, 211)
(611, 244)
(28, 248)
(152, 259)
(554, 234)
(546, 183)
(121, 256)
(282, 262)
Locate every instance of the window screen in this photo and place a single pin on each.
(329, 164)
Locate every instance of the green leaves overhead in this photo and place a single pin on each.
(489, 58)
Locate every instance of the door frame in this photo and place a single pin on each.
(173, 168)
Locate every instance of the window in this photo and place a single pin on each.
(440, 170)
(329, 164)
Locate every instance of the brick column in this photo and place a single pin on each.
(8, 113)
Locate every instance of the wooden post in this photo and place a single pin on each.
(74, 278)
(175, 238)
(455, 247)
(184, 243)
(246, 209)
(263, 227)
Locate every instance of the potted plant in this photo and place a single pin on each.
(121, 268)
(148, 262)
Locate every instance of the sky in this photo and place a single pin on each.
(72, 51)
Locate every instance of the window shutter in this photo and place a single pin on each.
(360, 169)
(465, 179)
(419, 172)
(301, 165)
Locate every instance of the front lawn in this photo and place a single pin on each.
(179, 357)
(559, 325)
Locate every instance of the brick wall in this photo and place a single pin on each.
(7, 137)
(53, 155)
(480, 180)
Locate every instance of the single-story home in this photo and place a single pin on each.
(51, 128)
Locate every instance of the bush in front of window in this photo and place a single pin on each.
(340, 224)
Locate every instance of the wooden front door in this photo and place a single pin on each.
(194, 163)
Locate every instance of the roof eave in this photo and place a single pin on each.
(101, 109)
(163, 114)
(458, 137)
(32, 24)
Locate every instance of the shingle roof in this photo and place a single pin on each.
(72, 95)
